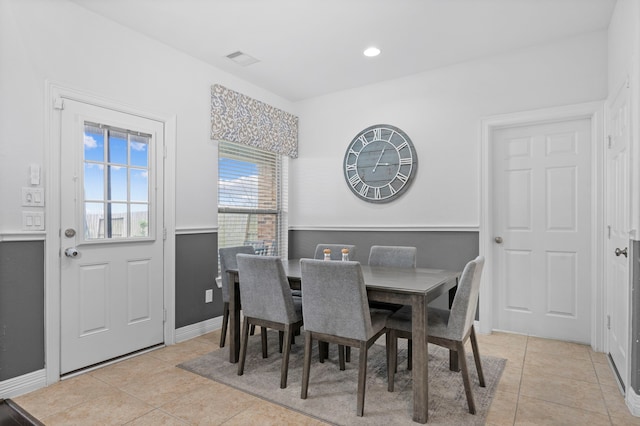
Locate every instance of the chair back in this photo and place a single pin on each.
(334, 299)
(265, 290)
(336, 251)
(393, 256)
(228, 261)
(465, 303)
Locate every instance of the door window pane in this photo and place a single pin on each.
(139, 220)
(93, 143)
(93, 220)
(139, 185)
(139, 151)
(116, 183)
(93, 181)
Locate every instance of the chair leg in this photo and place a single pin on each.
(253, 329)
(284, 370)
(225, 323)
(347, 355)
(410, 355)
(462, 360)
(392, 358)
(306, 367)
(341, 350)
(362, 378)
(476, 356)
(243, 346)
(263, 335)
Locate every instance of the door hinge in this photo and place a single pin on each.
(608, 322)
(164, 233)
(164, 315)
(609, 141)
(58, 103)
(609, 231)
(164, 148)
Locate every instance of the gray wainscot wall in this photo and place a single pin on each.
(21, 308)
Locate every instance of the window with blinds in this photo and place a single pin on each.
(251, 199)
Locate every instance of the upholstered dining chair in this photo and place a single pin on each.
(336, 309)
(393, 256)
(228, 261)
(336, 254)
(336, 251)
(267, 301)
(448, 328)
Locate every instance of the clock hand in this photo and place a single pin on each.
(377, 162)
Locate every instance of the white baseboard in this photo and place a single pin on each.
(198, 329)
(23, 384)
(633, 401)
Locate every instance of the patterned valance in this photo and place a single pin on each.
(241, 119)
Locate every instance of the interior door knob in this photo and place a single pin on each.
(623, 251)
(498, 240)
(71, 252)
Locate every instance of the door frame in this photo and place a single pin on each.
(592, 111)
(52, 147)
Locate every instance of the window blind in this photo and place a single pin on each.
(252, 199)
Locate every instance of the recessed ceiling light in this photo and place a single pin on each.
(371, 52)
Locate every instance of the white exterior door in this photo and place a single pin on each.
(111, 221)
(618, 226)
(542, 224)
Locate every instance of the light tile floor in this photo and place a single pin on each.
(544, 382)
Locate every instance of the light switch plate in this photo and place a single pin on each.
(33, 221)
(32, 197)
(208, 296)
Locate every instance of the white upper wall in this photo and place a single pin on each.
(441, 111)
(59, 41)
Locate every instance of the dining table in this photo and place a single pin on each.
(416, 287)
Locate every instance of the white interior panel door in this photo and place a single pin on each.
(617, 218)
(111, 258)
(542, 187)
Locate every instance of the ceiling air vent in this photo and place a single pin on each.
(242, 58)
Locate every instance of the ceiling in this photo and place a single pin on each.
(308, 48)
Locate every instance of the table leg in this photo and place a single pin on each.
(234, 318)
(420, 371)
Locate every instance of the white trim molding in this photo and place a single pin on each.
(385, 228)
(23, 236)
(196, 230)
(195, 330)
(23, 384)
(593, 111)
(632, 399)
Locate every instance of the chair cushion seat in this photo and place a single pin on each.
(437, 321)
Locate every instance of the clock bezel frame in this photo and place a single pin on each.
(402, 189)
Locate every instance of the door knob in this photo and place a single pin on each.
(619, 252)
(71, 252)
(498, 240)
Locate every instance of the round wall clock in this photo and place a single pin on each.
(380, 163)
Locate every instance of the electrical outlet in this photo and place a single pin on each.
(208, 296)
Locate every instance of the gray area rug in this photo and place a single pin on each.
(332, 393)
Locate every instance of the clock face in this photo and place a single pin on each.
(380, 163)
